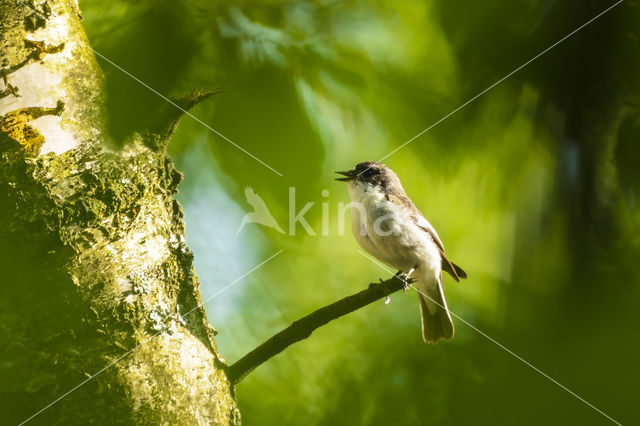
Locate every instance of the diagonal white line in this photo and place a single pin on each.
(501, 80)
(238, 279)
(79, 385)
(166, 98)
(185, 111)
(152, 336)
(529, 364)
(524, 361)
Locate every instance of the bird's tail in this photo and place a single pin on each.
(436, 320)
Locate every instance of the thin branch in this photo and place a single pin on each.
(302, 328)
(165, 123)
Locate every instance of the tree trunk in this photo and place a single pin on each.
(93, 261)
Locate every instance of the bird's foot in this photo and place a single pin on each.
(406, 279)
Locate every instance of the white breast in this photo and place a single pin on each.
(361, 201)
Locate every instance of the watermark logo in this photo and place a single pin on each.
(382, 222)
(260, 214)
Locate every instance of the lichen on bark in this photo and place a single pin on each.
(93, 258)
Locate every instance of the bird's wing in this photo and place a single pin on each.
(417, 217)
(454, 270)
(428, 228)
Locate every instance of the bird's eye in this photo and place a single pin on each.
(367, 171)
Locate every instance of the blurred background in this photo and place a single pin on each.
(533, 188)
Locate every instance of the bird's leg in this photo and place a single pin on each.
(411, 271)
(407, 279)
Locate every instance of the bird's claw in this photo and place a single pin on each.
(406, 281)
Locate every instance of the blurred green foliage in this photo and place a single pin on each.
(533, 188)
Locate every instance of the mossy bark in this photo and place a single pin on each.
(94, 269)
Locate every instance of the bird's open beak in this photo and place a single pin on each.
(348, 175)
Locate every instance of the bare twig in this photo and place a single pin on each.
(165, 123)
(302, 328)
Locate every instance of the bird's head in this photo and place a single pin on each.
(372, 174)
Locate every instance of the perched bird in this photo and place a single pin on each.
(387, 224)
(260, 213)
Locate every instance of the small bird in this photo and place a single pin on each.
(387, 224)
(261, 213)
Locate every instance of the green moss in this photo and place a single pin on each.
(125, 266)
(94, 265)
